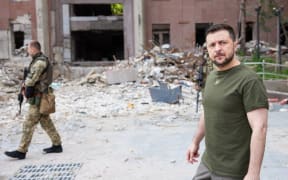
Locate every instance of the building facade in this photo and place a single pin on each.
(81, 31)
(182, 23)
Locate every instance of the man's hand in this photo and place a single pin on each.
(29, 92)
(192, 153)
(197, 87)
(284, 101)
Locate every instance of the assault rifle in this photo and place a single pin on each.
(22, 88)
(200, 76)
(200, 83)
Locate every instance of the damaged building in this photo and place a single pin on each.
(16, 26)
(91, 32)
(77, 31)
(183, 23)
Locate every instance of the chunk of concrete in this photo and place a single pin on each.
(121, 75)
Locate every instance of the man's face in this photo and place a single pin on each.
(221, 48)
(30, 50)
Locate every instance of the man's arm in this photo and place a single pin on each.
(192, 152)
(35, 72)
(258, 122)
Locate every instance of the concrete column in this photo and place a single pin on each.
(129, 33)
(53, 28)
(66, 33)
(42, 24)
(138, 27)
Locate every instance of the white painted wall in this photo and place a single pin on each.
(66, 33)
(42, 19)
(4, 44)
(138, 26)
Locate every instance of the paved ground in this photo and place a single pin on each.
(275, 164)
(139, 148)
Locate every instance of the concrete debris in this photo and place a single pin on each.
(265, 48)
(21, 52)
(10, 76)
(121, 75)
(159, 63)
(167, 64)
(92, 77)
(92, 97)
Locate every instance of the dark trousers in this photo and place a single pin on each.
(203, 173)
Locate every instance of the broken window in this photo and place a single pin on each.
(97, 39)
(161, 33)
(18, 39)
(97, 9)
(201, 29)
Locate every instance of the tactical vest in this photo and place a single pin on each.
(46, 76)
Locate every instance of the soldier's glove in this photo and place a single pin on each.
(29, 91)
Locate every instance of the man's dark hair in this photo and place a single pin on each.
(219, 27)
(36, 45)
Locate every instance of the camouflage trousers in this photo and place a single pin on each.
(32, 119)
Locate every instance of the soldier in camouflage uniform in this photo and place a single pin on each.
(37, 82)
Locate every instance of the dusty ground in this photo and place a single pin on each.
(116, 132)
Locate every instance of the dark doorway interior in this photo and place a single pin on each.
(98, 45)
(200, 32)
(18, 39)
(249, 31)
(283, 40)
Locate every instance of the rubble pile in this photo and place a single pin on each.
(91, 96)
(167, 64)
(163, 63)
(265, 48)
(11, 75)
(160, 63)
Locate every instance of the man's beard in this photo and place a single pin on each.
(226, 61)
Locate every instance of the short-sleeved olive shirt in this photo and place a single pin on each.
(227, 98)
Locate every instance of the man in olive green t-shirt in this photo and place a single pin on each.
(234, 121)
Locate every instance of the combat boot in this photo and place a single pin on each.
(53, 149)
(15, 154)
